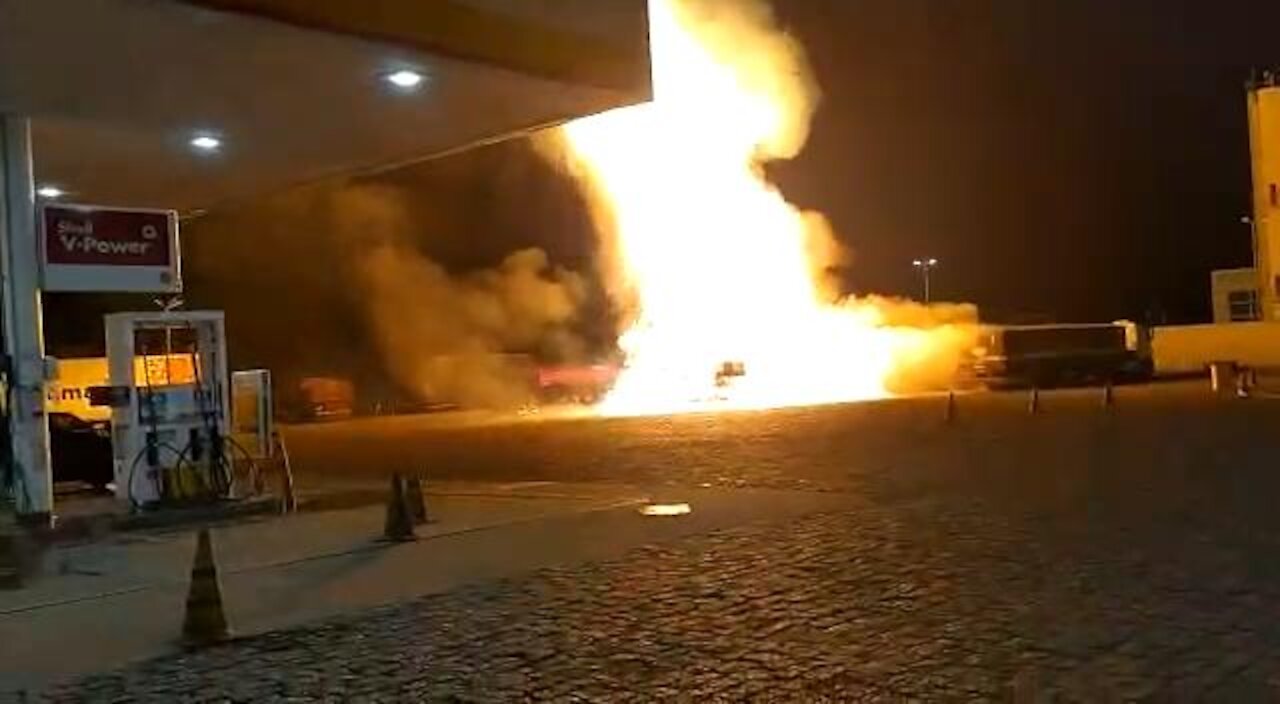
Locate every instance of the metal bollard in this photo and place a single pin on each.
(950, 416)
(1222, 376)
(1108, 395)
(1033, 403)
(289, 498)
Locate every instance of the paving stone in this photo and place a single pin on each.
(969, 562)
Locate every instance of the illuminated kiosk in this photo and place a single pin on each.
(189, 105)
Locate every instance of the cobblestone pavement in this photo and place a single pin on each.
(893, 446)
(1078, 557)
(924, 600)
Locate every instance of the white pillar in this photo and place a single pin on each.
(23, 324)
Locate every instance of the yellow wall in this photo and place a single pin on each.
(1189, 348)
(69, 393)
(1264, 137)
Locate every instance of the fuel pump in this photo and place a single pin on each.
(169, 422)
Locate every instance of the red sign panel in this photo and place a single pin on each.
(90, 248)
(106, 237)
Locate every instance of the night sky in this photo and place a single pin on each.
(1069, 159)
(1064, 159)
(1077, 159)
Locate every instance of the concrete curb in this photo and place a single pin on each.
(341, 500)
(94, 527)
(81, 528)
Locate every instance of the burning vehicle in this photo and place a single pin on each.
(583, 384)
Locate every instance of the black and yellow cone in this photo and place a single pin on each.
(1033, 402)
(399, 524)
(205, 622)
(417, 502)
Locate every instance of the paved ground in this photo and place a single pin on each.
(129, 590)
(867, 604)
(1082, 553)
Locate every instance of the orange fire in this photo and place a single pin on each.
(721, 272)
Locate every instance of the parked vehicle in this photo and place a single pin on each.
(575, 383)
(317, 398)
(1050, 355)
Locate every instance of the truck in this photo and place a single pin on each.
(315, 398)
(1062, 354)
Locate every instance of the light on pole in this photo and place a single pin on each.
(1253, 236)
(925, 266)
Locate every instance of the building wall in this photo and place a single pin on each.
(1227, 284)
(1264, 136)
(1183, 349)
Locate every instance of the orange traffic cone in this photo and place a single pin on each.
(205, 623)
(417, 502)
(399, 525)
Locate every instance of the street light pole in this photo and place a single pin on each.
(925, 266)
(1253, 237)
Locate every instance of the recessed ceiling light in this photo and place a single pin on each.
(405, 79)
(206, 143)
(50, 192)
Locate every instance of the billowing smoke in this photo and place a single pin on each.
(449, 337)
(951, 331)
(469, 339)
(948, 331)
(343, 279)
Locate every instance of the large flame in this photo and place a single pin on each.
(721, 271)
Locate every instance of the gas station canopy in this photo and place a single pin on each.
(192, 104)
